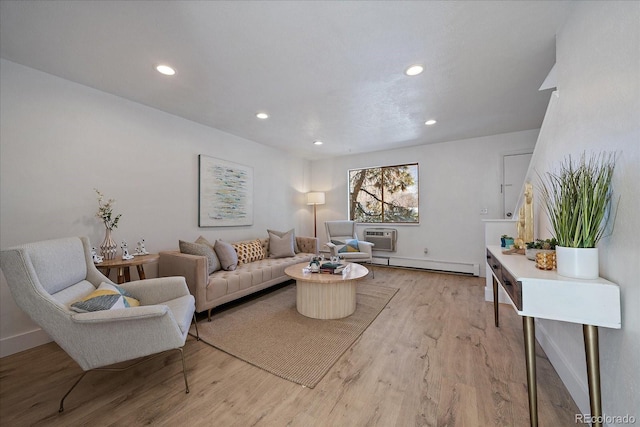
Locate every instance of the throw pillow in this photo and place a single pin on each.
(282, 233)
(249, 251)
(227, 255)
(281, 246)
(201, 249)
(106, 297)
(350, 246)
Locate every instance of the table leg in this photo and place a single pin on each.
(140, 272)
(496, 301)
(121, 273)
(529, 328)
(592, 351)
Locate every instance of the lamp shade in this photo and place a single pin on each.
(315, 198)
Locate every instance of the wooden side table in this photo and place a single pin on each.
(123, 265)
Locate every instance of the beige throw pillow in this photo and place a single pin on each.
(282, 233)
(281, 246)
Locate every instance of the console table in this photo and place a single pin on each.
(546, 295)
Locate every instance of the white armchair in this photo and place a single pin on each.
(45, 278)
(338, 233)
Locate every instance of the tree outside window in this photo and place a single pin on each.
(387, 194)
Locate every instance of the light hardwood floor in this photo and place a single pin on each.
(432, 358)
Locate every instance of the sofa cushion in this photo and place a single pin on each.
(282, 233)
(249, 251)
(202, 249)
(226, 254)
(106, 297)
(281, 246)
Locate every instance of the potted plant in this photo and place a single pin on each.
(577, 200)
(539, 245)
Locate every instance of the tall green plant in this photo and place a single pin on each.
(577, 199)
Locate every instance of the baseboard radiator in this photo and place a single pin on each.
(469, 268)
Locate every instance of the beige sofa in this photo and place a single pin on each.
(223, 286)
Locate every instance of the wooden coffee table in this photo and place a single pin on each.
(326, 296)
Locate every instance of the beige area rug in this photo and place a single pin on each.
(269, 333)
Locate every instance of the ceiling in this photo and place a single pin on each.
(323, 70)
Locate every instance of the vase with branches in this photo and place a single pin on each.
(109, 247)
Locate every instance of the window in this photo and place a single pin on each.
(387, 194)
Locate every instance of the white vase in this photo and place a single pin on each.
(577, 263)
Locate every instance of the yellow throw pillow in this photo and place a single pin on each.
(249, 251)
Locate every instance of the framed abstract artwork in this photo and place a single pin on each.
(225, 192)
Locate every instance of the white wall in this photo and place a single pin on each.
(457, 180)
(59, 140)
(598, 108)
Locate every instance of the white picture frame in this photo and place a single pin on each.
(225, 192)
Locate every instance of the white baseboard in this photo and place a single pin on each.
(447, 266)
(22, 342)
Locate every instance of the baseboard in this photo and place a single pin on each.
(22, 342)
(427, 264)
(575, 382)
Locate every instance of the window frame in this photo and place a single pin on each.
(416, 183)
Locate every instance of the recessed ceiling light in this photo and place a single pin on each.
(166, 70)
(262, 116)
(430, 122)
(317, 142)
(414, 70)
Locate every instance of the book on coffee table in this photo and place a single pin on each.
(332, 268)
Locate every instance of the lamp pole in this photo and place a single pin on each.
(315, 198)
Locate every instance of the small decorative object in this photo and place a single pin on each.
(125, 251)
(109, 247)
(577, 200)
(140, 249)
(314, 264)
(546, 260)
(539, 246)
(506, 241)
(97, 259)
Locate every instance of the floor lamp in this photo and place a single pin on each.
(315, 198)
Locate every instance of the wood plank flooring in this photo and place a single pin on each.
(432, 358)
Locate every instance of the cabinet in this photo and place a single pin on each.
(546, 295)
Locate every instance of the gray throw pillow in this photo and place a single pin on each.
(281, 246)
(227, 255)
(202, 250)
(204, 241)
(282, 233)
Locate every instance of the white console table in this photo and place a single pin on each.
(546, 295)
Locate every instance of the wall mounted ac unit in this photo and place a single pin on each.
(384, 239)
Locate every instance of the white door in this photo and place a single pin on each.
(514, 167)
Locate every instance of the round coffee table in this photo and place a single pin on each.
(326, 296)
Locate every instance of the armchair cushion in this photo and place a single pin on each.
(350, 245)
(106, 297)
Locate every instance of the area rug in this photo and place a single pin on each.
(269, 333)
